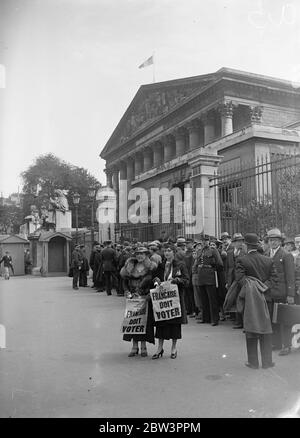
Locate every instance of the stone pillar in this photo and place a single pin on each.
(180, 141)
(108, 177)
(157, 154)
(138, 164)
(209, 127)
(256, 114)
(148, 159)
(205, 201)
(169, 148)
(194, 134)
(123, 170)
(226, 111)
(130, 169)
(115, 179)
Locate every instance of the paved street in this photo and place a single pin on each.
(65, 358)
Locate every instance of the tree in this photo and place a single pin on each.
(11, 218)
(49, 173)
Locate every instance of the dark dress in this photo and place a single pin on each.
(172, 329)
(140, 283)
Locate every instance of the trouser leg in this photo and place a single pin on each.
(107, 276)
(286, 335)
(205, 304)
(213, 303)
(75, 277)
(265, 342)
(251, 344)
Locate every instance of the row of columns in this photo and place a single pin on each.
(196, 133)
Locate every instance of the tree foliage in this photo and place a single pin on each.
(49, 173)
(11, 217)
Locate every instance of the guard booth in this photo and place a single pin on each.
(50, 253)
(16, 245)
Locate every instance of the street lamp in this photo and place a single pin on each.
(91, 195)
(76, 199)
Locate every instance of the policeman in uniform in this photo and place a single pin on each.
(209, 260)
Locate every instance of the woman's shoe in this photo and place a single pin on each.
(144, 352)
(134, 352)
(174, 355)
(157, 355)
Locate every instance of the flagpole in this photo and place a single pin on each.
(153, 68)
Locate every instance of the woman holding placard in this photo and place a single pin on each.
(137, 275)
(174, 272)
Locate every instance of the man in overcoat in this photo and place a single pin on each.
(285, 293)
(76, 264)
(260, 267)
(109, 261)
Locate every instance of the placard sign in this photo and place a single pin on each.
(166, 301)
(135, 318)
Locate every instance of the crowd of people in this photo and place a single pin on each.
(238, 278)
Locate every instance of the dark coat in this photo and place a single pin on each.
(181, 278)
(285, 266)
(77, 259)
(231, 264)
(259, 266)
(209, 260)
(252, 304)
(109, 259)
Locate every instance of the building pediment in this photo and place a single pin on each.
(151, 103)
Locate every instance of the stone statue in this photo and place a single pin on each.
(60, 201)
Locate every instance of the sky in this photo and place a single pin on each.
(69, 68)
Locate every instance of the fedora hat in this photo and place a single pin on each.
(275, 233)
(141, 249)
(237, 236)
(225, 235)
(252, 239)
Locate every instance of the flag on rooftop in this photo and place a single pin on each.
(148, 61)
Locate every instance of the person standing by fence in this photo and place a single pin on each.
(76, 264)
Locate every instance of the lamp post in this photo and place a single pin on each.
(76, 199)
(91, 195)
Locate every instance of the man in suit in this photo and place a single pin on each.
(76, 264)
(256, 265)
(109, 261)
(285, 293)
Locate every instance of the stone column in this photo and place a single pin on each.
(108, 177)
(194, 134)
(115, 179)
(169, 148)
(157, 154)
(256, 114)
(180, 141)
(138, 164)
(209, 127)
(226, 111)
(130, 169)
(148, 159)
(205, 199)
(123, 170)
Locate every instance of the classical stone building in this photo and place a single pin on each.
(180, 133)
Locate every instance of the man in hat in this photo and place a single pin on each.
(76, 263)
(285, 293)
(209, 260)
(257, 319)
(189, 290)
(237, 249)
(85, 267)
(296, 255)
(109, 265)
